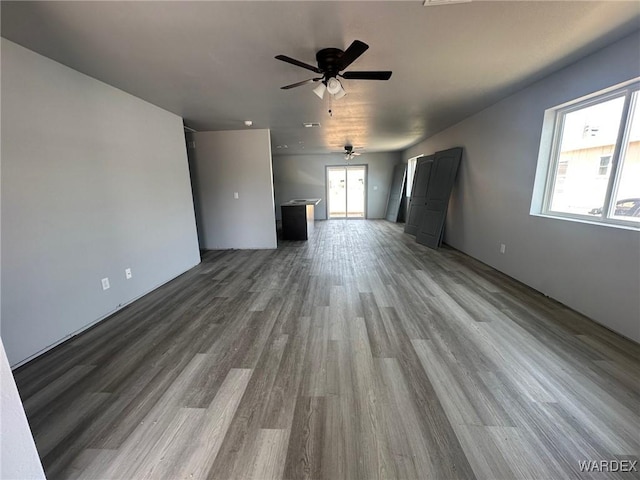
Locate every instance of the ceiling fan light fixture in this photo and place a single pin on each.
(334, 86)
(340, 94)
(320, 89)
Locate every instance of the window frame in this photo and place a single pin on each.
(628, 91)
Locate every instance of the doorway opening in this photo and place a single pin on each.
(346, 191)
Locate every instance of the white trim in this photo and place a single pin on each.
(588, 221)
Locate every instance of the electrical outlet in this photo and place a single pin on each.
(503, 248)
(105, 283)
(127, 273)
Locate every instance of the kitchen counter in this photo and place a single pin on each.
(298, 218)
(302, 201)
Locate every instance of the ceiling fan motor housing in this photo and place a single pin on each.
(329, 61)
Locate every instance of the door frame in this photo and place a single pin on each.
(366, 189)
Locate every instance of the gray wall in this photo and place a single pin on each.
(226, 162)
(591, 268)
(303, 176)
(93, 181)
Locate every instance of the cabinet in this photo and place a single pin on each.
(298, 218)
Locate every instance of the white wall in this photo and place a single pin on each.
(303, 176)
(18, 454)
(93, 181)
(224, 163)
(593, 269)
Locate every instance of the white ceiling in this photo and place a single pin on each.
(212, 62)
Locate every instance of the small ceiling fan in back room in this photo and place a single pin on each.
(349, 153)
(331, 63)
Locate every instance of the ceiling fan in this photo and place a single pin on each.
(349, 153)
(331, 62)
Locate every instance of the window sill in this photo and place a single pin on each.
(620, 226)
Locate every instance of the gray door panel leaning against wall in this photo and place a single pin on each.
(418, 194)
(443, 175)
(396, 192)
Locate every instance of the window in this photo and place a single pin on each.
(561, 176)
(411, 170)
(605, 162)
(594, 159)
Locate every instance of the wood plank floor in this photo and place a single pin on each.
(356, 355)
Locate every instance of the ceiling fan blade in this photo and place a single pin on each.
(367, 75)
(356, 49)
(298, 63)
(299, 84)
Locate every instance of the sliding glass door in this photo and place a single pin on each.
(346, 191)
